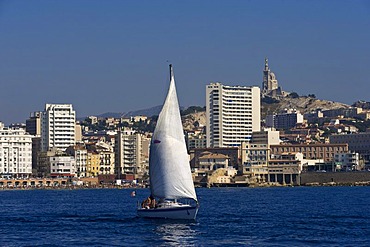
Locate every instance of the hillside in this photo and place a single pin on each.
(195, 116)
(192, 120)
(303, 103)
(153, 111)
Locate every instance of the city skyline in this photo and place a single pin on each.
(112, 56)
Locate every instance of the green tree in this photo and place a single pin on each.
(293, 95)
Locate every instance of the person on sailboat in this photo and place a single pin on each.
(146, 203)
(153, 203)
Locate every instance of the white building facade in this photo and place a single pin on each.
(232, 113)
(58, 126)
(62, 166)
(348, 161)
(15, 152)
(79, 152)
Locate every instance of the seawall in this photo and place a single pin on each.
(339, 178)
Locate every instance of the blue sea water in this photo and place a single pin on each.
(298, 216)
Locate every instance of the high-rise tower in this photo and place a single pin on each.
(58, 126)
(233, 112)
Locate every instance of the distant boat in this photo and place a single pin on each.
(171, 182)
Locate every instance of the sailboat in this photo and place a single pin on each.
(171, 182)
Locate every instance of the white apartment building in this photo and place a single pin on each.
(348, 161)
(15, 152)
(79, 152)
(232, 113)
(58, 126)
(131, 152)
(62, 166)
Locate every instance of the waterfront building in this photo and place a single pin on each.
(212, 161)
(131, 153)
(58, 126)
(106, 157)
(285, 168)
(36, 149)
(33, 127)
(92, 164)
(232, 113)
(253, 154)
(62, 166)
(348, 161)
(79, 152)
(257, 150)
(227, 177)
(325, 151)
(15, 152)
(106, 164)
(313, 165)
(232, 153)
(42, 168)
(285, 120)
(256, 153)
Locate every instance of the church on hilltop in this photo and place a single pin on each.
(270, 85)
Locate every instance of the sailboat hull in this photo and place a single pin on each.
(185, 212)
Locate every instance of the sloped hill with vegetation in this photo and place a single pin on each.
(194, 120)
(302, 103)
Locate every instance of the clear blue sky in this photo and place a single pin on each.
(111, 55)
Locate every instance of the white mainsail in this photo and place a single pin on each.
(169, 169)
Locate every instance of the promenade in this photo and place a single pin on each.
(34, 182)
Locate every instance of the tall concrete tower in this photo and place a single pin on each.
(232, 113)
(58, 126)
